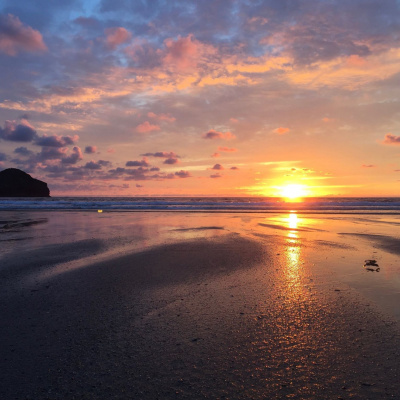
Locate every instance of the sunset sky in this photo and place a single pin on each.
(227, 98)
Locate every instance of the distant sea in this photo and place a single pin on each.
(220, 204)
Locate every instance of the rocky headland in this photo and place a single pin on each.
(17, 183)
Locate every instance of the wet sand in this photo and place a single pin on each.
(196, 306)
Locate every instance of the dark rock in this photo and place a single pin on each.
(17, 183)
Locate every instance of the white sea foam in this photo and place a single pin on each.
(202, 204)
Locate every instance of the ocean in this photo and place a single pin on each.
(228, 204)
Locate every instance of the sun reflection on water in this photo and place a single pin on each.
(292, 272)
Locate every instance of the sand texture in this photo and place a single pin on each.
(212, 307)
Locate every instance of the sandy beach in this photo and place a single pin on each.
(195, 305)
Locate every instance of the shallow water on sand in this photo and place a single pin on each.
(334, 245)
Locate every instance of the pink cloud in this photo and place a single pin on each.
(391, 139)
(368, 166)
(110, 150)
(18, 132)
(182, 52)
(234, 120)
(226, 149)
(74, 157)
(161, 117)
(116, 36)
(213, 134)
(14, 36)
(281, 130)
(147, 127)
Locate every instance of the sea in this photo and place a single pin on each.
(381, 205)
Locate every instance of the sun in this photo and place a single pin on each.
(293, 192)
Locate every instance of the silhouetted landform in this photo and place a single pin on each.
(17, 183)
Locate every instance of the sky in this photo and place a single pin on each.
(213, 98)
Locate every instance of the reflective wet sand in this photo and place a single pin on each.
(180, 305)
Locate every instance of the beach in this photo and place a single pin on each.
(161, 305)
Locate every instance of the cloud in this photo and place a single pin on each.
(234, 168)
(161, 154)
(97, 165)
(90, 149)
(141, 163)
(368, 166)
(171, 161)
(15, 36)
(74, 157)
(213, 134)
(182, 174)
(218, 167)
(214, 176)
(138, 186)
(227, 149)
(56, 141)
(116, 36)
(51, 153)
(391, 139)
(281, 130)
(185, 53)
(161, 117)
(23, 151)
(22, 132)
(147, 127)
(3, 157)
(215, 155)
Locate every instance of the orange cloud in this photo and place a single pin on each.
(281, 130)
(147, 127)
(355, 61)
(227, 149)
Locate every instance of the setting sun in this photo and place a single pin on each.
(293, 192)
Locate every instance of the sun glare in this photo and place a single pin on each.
(293, 192)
